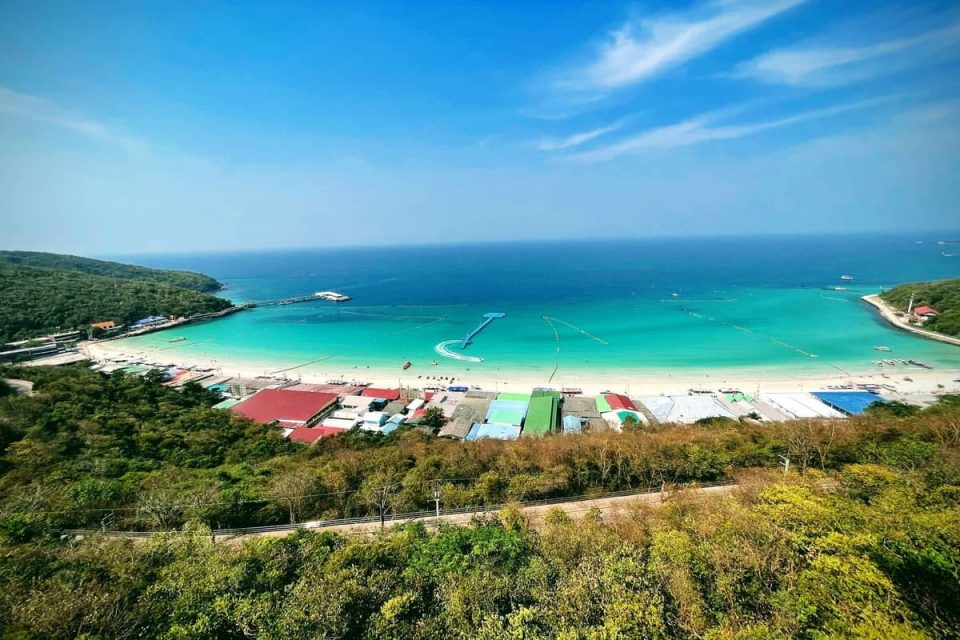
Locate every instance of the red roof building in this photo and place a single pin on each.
(309, 435)
(925, 311)
(287, 407)
(386, 394)
(617, 401)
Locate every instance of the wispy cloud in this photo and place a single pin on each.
(829, 65)
(578, 139)
(643, 48)
(702, 129)
(24, 105)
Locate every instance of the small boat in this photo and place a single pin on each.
(433, 363)
(407, 364)
(846, 277)
(181, 339)
(881, 348)
(675, 294)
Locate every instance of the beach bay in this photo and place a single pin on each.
(693, 311)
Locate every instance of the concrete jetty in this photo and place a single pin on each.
(487, 319)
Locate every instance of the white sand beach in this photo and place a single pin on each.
(905, 380)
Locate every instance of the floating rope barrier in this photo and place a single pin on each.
(576, 328)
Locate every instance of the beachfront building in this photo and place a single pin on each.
(801, 405)
(924, 313)
(685, 409)
(286, 408)
(149, 321)
(542, 413)
(852, 403)
(383, 394)
(107, 326)
(471, 410)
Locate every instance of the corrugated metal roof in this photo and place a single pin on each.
(496, 431)
(541, 415)
(270, 405)
(507, 411)
(850, 402)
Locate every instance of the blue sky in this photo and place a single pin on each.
(142, 127)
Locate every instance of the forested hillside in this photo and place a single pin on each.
(861, 540)
(39, 300)
(944, 296)
(60, 262)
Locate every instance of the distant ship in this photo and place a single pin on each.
(846, 277)
(882, 348)
(332, 296)
(948, 241)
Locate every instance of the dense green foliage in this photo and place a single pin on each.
(181, 279)
(39, 300)
(877, 557)
(944, 296)
(862, 540)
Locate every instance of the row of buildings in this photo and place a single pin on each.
(308, 412)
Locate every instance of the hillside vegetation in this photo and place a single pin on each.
(60, 262)
(861, 540)
(39, 300)
(944, 296)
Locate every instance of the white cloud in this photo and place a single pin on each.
(699, 130)
(23, 105)
(640, 49)
(577, 139)
(833, 65)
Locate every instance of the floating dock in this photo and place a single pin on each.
(487, 319)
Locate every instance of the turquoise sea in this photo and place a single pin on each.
(762, 304)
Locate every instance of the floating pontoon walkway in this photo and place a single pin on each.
(487, 319)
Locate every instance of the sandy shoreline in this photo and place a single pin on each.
(921, 381)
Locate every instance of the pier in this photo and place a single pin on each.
(326, 296)
(487, 319)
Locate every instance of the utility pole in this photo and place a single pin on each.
(786, 464)
(436, 497)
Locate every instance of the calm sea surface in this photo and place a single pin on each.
(575, 307)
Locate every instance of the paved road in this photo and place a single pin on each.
(534, 514)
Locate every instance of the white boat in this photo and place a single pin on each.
(882, 348)
(846, 277)
(332, 296)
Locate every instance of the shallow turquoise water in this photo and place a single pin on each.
(756, 304)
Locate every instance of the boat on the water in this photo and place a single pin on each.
(433, 363)
(332, 296)
(407, 364)
(882, 348)
(846, 277)
(181, 339)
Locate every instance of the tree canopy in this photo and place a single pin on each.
(60, 262)
(39, 300)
